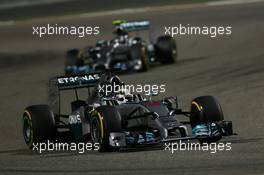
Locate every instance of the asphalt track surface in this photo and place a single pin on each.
(42, 8)
(228, 67)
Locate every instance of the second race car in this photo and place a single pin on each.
(124, 52)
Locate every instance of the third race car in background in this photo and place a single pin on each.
(123, 52)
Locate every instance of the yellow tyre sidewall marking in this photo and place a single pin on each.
(197, 105)
(28, 117)
(98, 115)
(101, 126)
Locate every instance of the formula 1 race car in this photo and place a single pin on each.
(120, 119)
(123, 52)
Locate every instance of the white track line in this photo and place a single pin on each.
(12, 5)
(7, 23)
(142, 9)
(232, 2)
(147, 9)
(167, 7)
(114, 12)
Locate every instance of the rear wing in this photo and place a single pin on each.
(78, 81)
(74, 82)
(133, 25)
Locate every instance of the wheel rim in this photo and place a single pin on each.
(196, 110)
(95, 129)
(174, 55)
(27, 129)
(144, 59)
(174, 52)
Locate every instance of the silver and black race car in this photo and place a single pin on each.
(124, 52)
(120, 119)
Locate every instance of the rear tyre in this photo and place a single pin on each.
(139, 52)
(104, 120)
(38, 124)
(204, 110)
(166, 50)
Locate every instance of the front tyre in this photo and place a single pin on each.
(206, 111)
(38, 124)
(104, 120)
